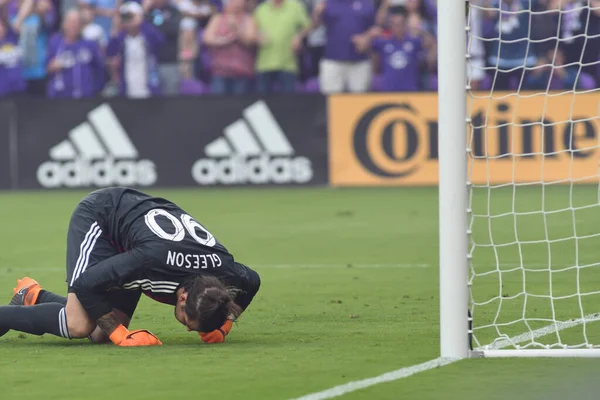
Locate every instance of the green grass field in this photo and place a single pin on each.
(349, 291)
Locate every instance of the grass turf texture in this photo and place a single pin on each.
(311, 328)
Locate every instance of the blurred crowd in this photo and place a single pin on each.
(138, 49)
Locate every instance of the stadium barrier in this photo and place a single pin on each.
(178, 142)
(343, 140)
(391, 140)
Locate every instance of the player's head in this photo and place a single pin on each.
(204, 304)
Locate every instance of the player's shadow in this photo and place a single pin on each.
(191, 341)
(16, 344)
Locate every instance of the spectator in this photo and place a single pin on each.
(189, 47)
(231, 36)
(132, 54)
(75, 65)
(551, 73)
(417, 28)
(349, 27)
(476, 50)
(510, 52)
(282, 26)
(426, 12)
(544, 25)
(104, 13)
(315, 44)
(400, 55)
(36, 19)
(11, 72)
(580, 33)
(91, 30)
(196, 14)
(167, 19)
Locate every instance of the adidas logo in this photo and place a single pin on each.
(97, 153)
(254, 149)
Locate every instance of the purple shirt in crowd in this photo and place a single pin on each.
(11, 69)
(344, 19)
(83, 68)
(153, 39)
(400, 59)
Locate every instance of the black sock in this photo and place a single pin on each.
(49, 297)
(36, 320)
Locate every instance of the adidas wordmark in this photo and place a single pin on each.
(254, 149)
(97, 153)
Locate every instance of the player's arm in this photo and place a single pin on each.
(108, 274)
(108, 323)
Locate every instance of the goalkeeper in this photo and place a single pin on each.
(122, 243)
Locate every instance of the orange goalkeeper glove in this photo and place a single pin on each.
(218, 335)
(140, 337)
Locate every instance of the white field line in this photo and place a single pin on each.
(339, 265)
(439, 362)
(387, 377)
(392, 265)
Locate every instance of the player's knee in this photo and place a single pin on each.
(80, 328)
(79, 323)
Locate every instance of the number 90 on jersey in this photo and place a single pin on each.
(199, 233)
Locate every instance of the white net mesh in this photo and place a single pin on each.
(534, 203)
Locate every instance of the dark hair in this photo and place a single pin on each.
(209, 303)
(398, 10)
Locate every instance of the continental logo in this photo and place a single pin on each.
(390, 140)
(387, 140)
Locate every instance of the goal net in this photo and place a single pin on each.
(533, 103)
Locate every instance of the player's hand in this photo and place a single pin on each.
(218, 335)
(140, 337)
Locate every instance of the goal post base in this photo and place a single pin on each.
(536, 353)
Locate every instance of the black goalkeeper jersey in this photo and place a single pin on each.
(159, 245)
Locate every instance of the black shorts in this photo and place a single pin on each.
(87, 245)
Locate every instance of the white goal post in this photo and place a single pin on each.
(519, 194)
(452, 113)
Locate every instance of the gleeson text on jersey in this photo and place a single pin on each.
(195, 261)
